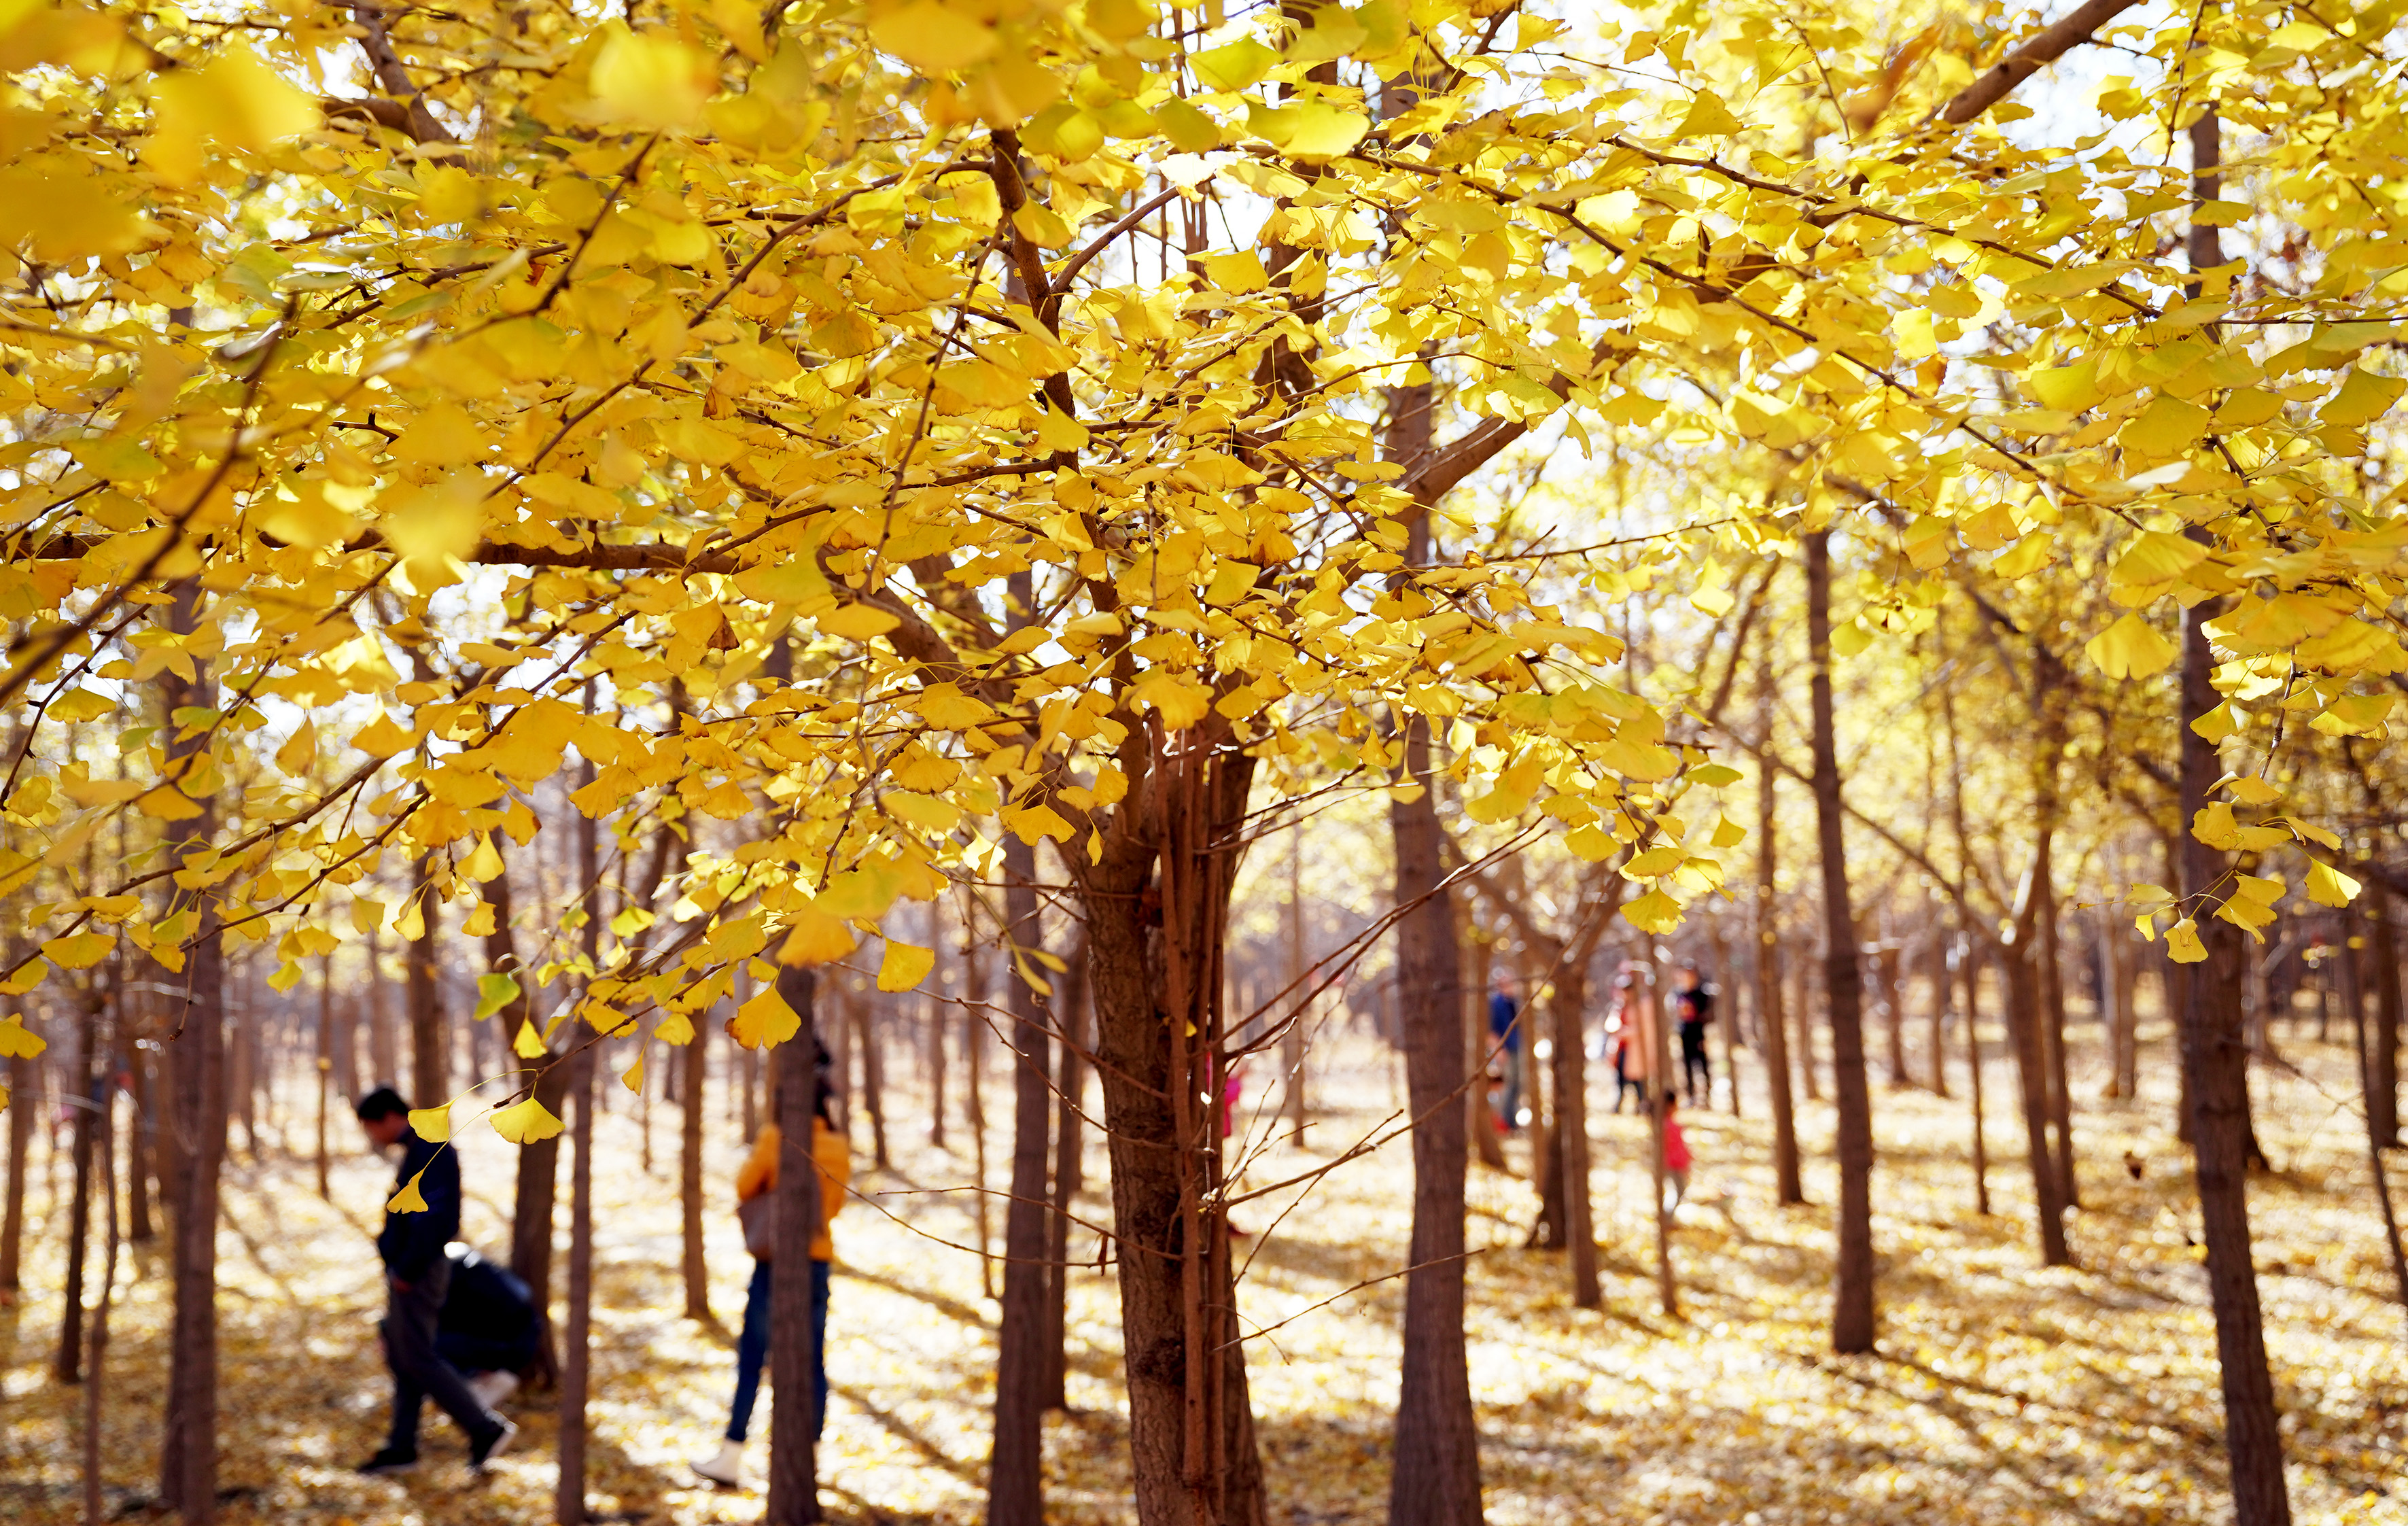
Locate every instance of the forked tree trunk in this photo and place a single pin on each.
(1015, 1476)
(1437, 1477)
(2025, 1021)
(1851, 1309)
(2214, 1055)
(1191, 1438)
(794, 1460)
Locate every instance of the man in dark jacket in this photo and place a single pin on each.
(417, 1276)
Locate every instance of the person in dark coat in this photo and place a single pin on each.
(418, 1275)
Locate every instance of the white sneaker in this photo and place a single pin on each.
(727, 1468)
(491, 1389)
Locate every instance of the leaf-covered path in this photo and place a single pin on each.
(2002, 1393)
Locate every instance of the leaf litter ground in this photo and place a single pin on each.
(2002, 1392)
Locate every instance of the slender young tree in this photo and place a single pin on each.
(1788, 1188)
(1015, 1476)
(1852, 1309)
(576, 1357)
(794, 1458)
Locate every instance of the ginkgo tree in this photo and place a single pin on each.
(1023, 421)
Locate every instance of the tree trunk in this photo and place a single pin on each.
(1191, 1441)
(1015, 1476)
(1771, 1021)
(325, 1060)
(1891, 997)
(2060, 1091)
(1437, 1477)
(2025, 1019)
(794, 1460)
(1577, 1225)
(430, 1081)
(142, 1134)
(2383, 1063)
(188, 1461)
(2214, 1057)
(1068, 1175)
(866, 1038)
(695, 1070)
(67, 1366)
(1661, 1091)
(2353, 1001)
(937, 1014)
(568, 1498)
(1968, 967)
(1479, 1117)
(96, 1366)
(974, 1019)
(1937, 972)
(1851, 1312)
(1292, 1042)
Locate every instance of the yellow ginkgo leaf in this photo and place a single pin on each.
(529, 1044)
(634, 1078)
(408, 1200)
(816, 938)
(432, 1124)
(2131, 648)
(525, 1123)
(905, 966)
(79, 951)
(16, 1042)
(765, 1021)
(2182, 943)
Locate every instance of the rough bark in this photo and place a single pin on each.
(793, 1462)
(430, 1081)
(188, 1463)
(1852, 1310)
(1437, 1477)
(2214, 1055)
(67, 1365)
(1567, 1006)
(1015, 1476)
(1191, 1442)
(693, 1073)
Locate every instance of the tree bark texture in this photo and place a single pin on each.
(1437, 1477)
(1568, 1006)
(1851, 1311)
(24, 1100)
(693, 1073)
(794, 1460)
(188, 1464)
(2025, 1021)
(1069, 1174)
(430, 1080)
(2383, 1060)
(67, 1366)
(1154, 946)
(1015, 1476)
(1969, 968)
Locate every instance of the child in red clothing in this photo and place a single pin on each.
(1676, 1154)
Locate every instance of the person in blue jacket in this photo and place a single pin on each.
(418, 1275)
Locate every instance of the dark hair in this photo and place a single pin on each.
(384, 1103)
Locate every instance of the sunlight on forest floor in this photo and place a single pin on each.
(2002, 1393)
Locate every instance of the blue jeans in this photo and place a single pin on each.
(752, 1349)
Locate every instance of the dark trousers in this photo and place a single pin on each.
(752, 1349)
(1694, 1071)
(419, 1371)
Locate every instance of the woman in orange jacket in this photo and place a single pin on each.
(759, 1176)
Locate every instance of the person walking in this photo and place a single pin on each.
(1625, 1031)
(756, 1183)
(1676, 1156)
(1695, 1006)
(418, 1275)
(1505, 1037)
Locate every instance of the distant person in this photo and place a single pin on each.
(418, 1275)
(1505, 1036)
(757, 1179)
(488, 1329)
(1695, 1006)
(1676, 1156)
(1626, 1036)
